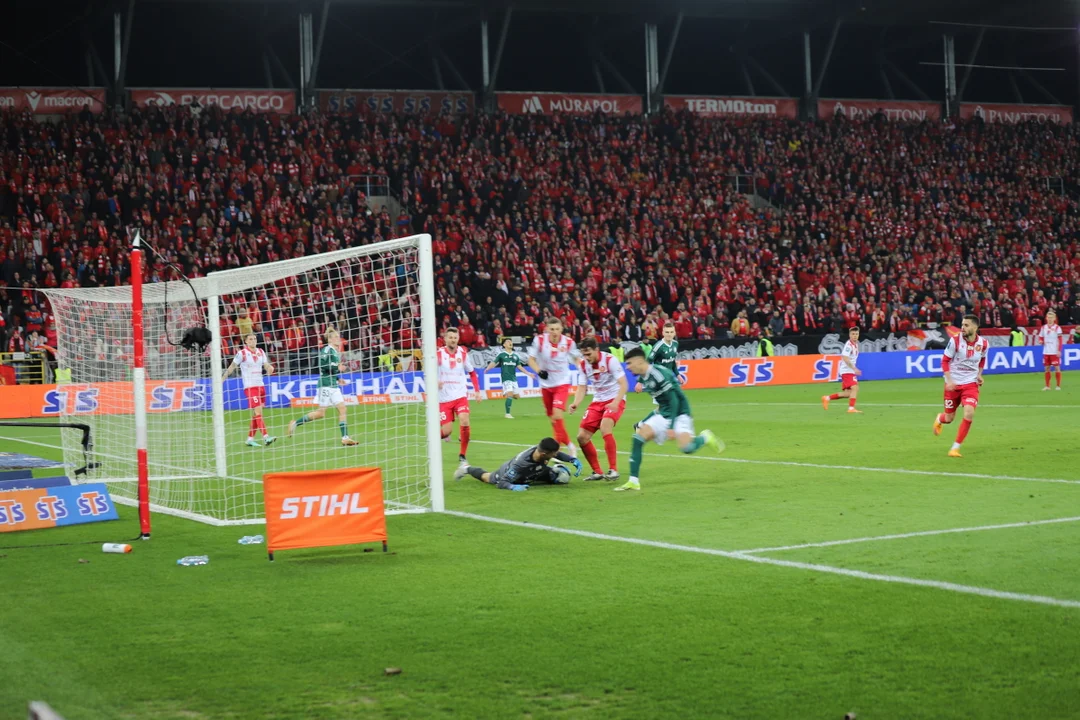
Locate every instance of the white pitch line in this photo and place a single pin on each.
(829, 569)
(900, 471)
(904, 536)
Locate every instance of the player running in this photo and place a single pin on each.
(849, 374)
(252, 363)
(609, 400)
(665, 353)
(508, 362)
(671, 419)
(453, 365)
(1053, 340)
(526, 468)
(962, 366)
(549, 356)
(330, 384)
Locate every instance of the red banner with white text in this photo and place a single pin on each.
(266, 101)
(995, 113)
(519, 103)
(894, 110)
(52, 101)
(734, 106)
(418, 102)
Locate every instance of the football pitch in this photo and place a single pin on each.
(826, 563)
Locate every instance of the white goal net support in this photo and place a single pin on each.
(379, 297)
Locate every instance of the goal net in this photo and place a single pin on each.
(198, 423)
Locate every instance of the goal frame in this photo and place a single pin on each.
(209, 290)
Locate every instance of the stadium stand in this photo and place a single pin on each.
(615, 224)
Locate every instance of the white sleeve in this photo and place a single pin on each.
(616, 368)
(534, 348)
(237, 360)
(950, 349)
(575, 354)
(468, 365)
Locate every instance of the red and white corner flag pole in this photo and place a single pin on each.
(139, 382)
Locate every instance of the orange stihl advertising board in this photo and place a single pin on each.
(324, 508)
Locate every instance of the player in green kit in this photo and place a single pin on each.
(665, 354)
(508, 362)
(671, 419)
(330, 383)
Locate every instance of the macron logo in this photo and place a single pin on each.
(322, 506)
(33, 97)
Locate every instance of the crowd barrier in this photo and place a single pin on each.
(21, 401)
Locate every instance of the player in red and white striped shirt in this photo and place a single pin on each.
(453, 364)
(609, 400)
(252, 363)
(1052, 339)
(550, 356)
(849, 374)
(962, 366)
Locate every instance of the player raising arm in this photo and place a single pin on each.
(1053, 339)
(609, 400)
(508, 362)
(549, 356)
(849, 374)
(526, 468)
(252, 363)
(453, 365)
(330, 383)
(670, 419)
(962, 366)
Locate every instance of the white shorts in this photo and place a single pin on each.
(330, 397)
(660, 426)
(509, 386)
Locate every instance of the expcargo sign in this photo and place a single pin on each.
(275, 101)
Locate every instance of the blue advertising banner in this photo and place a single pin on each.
(33, 483)
(927, 363)
(55, 507)
(15, 474)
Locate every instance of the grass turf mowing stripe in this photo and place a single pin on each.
(903, 536)
(789, 463)
(829, 569)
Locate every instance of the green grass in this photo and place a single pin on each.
(497, 621)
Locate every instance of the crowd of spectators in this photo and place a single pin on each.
(615, 224)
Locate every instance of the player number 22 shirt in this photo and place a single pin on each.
(454, 369)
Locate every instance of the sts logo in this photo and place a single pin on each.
(50, 508)
(173, 396)
(825, 370)
(71, 401)
(751, 371)
(11, 512)
(92, 503)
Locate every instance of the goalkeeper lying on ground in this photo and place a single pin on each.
(526, 468)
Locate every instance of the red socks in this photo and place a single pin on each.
(834, 396)
(252, 427)
(560, 432)
(610, 450)
(260, 424)
(941, 419)
(1058, 373)
(1047, 376)
(465, 433)
(851, 402)
(590, 454)
(965, 425)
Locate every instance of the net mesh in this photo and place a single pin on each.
(199, 461)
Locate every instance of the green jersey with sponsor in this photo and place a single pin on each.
(664, 388)
(508, 363)
(666, 355)
(329, 367)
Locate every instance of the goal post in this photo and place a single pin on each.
(204, 453)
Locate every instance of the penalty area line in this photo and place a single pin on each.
(904, 536)
(811, 567)
(820, 466)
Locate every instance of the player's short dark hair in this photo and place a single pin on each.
(669, 324)
(504, 340)
(450, 329)
(633, 353)
(548, 444)
(588, 343)
(553, 321)
(853, 327)
(972, 318)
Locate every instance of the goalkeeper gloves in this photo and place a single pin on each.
(518, 488)
(543, 374)
(577, 466)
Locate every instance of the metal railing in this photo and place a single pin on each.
(31, 368)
